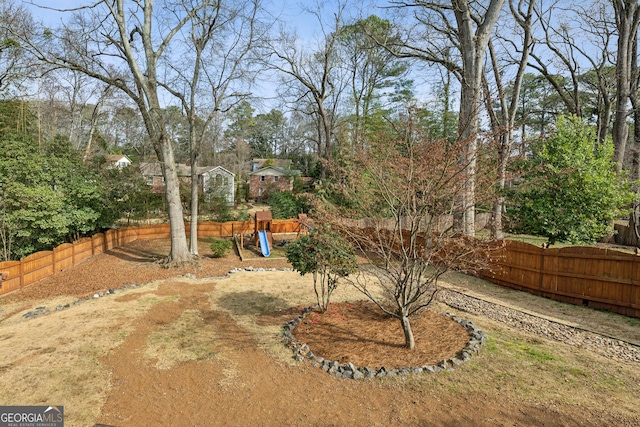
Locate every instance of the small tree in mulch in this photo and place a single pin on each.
(403, 192)
(326, 255)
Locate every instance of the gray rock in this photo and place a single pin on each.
(357, 375)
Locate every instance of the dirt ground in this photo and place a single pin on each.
(206, 352)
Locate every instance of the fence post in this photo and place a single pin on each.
(21, 273)
(540, 281)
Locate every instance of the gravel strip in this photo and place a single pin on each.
(596, 343)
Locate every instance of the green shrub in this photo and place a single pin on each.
(568, 190)
(221, 248)
(285, 204)
(325, 254)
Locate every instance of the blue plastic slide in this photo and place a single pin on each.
(264, 243)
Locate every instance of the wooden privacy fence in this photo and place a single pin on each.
(600, 278)
(42, 264)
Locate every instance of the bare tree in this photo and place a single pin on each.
(13, 63)
(573, 37)
(598, 27)
(406, 192)
(219, 42)
(312, 75)
(466, 26)
(504, 122)
(559, 41)
(627, 14)
(126, 44)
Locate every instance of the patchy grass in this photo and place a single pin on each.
(181, 341)
(59, 357)
(516, 363)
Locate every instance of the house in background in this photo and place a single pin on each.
(219, 181)
(270, 178)
(152, 174)
(257, 164)
(209, 178)
(117, 161)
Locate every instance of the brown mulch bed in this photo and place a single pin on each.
(362, 334)
(137, 262)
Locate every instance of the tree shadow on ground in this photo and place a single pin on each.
(252, 303)
(128, 253)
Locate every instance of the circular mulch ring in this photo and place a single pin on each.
(360, 333)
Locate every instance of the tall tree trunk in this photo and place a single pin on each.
(92, 130)
(635, 104)
(193, 239)
(179, 251)
(473, 45)
(508, 109)
(627, 16)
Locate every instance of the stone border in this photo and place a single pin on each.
(301, 352)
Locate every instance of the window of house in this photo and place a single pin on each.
(226, 181)
(263, 178)
(260, 191)
(275, 178)
(150, 180)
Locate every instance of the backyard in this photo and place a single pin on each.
(190, 347)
